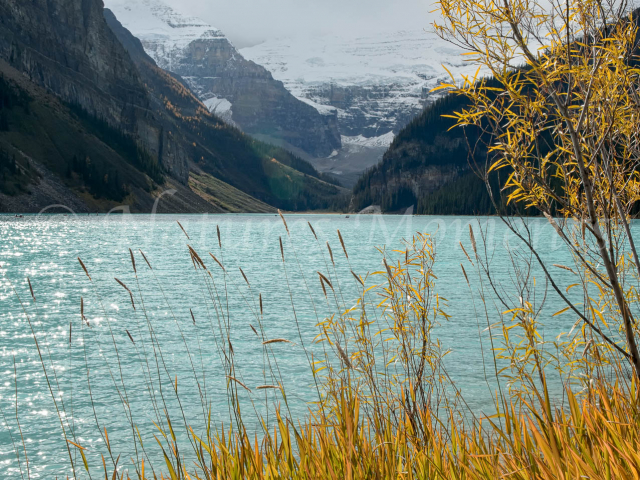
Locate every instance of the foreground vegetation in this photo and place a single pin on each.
(386, 406)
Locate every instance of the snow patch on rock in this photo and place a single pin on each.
(218, 106)
(221, 108)
(369, 142)
(322, 109)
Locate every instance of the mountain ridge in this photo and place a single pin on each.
(216, 71)
(113, 130)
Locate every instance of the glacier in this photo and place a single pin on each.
(377, 82)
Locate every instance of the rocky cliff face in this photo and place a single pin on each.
(368, 110)
(66, 47)
(233, 88)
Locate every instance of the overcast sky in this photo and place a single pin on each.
(251, 21)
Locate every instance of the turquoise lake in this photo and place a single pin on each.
(45, 249)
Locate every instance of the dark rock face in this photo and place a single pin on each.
(66, 47)
(370, 111)
(260, 104)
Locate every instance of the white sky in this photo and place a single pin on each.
(251, 21)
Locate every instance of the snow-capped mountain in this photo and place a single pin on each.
(375, 84)
(160, 26)
(236, 89)
(341, 98)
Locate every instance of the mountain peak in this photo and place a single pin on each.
(154, 20)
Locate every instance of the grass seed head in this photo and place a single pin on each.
(184, 231)
(244, 276)
(284, 221)
(133, 261)
(330, 253)
(276, 340)
(312, 230)
(473, 241)
(344, 249)
(145, 259)
(31, 289)
(217, 261)
(281, 249)
(239, 383)
(84, 268)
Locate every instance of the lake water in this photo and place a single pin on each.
(45, 249)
